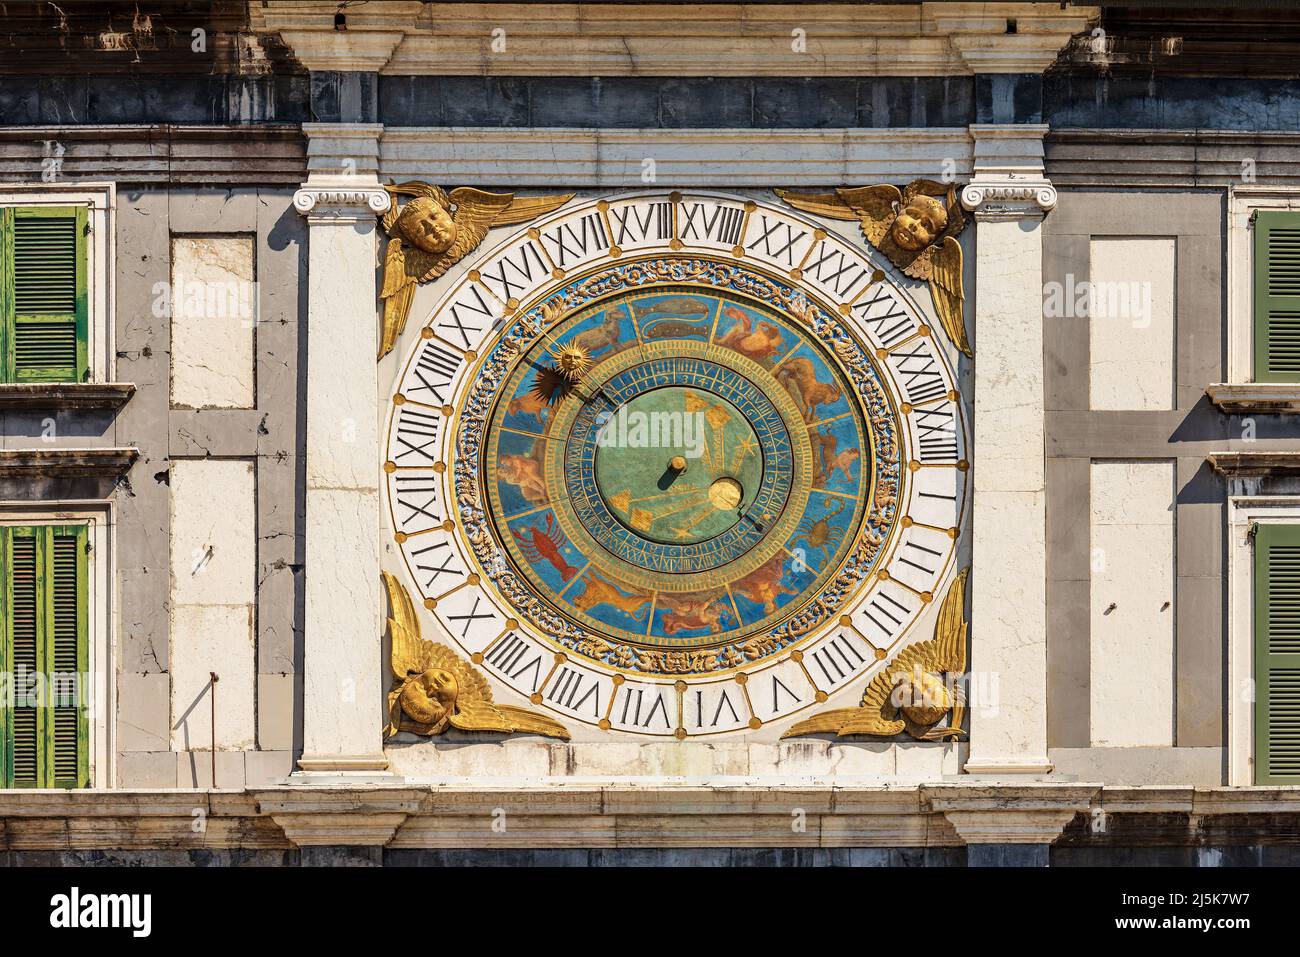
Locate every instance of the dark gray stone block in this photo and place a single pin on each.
(1007, 855)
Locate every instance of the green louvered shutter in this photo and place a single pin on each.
(1277, 296)
(69, 762)
(1277, 654)
(44, 732)
(22, 633)
(43, 293)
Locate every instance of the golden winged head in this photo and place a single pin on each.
(425, 224)
(430, 698)
(919, 222)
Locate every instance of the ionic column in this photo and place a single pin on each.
(1009, 196)
(342, 720)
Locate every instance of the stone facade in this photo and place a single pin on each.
(228, 452)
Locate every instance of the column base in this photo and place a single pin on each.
(342, 763)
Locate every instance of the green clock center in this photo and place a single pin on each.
(678, 465)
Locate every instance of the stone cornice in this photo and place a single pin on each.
(1263, 397)
(155, 153)
(1255, 464)
(649, 39)
(30, 464)
(65, 395)
(628, 814)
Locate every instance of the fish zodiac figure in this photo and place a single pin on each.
(434, 688)
(908, 694)
(434, 231)
(917, 231)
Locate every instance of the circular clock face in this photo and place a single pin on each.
(676, 465)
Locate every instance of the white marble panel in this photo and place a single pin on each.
(1132, 604)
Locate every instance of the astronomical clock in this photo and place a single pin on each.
(676, 464)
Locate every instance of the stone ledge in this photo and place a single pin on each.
(1262, 397)
(65, 395)
(1254, 464)
(623, 814)
(66, 463)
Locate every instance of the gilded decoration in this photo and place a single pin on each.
(917, 231)
(435, 689)
(915, 691)
(432, 232)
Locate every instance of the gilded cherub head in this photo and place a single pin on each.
(919, 222)
(425, 224)
(430, 698)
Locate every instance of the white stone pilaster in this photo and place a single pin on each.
(1009, 196)
(342, 694)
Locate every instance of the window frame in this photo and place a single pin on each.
(99, 199)
(99, 519)
(1243, 203)
(1243, 512)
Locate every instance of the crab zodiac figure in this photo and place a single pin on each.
(917, 231)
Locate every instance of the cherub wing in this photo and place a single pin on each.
(876, 715)
(871, 206)
(476, 212)
(479, 716)
(410, 652)
(819, 204)
(956, 215)
(950, 629)
(404, 266)
(476, 711)
(876, 207)
(828, 722)
(946, 287)
(524, 208)
(927, 187)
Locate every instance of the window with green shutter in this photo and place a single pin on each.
(43, 310)
(1277, 296)
(44, 720)
(1277, 654)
